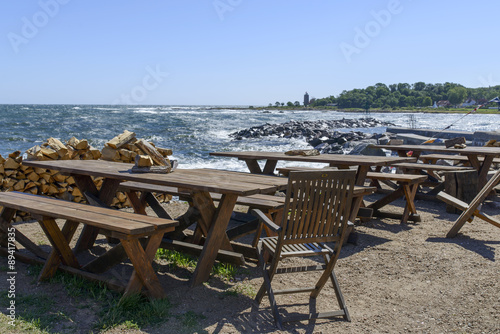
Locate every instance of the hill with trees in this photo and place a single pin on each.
(404, 95)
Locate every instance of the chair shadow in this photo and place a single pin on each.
(363, 240)
(480, 247)
(262, 320)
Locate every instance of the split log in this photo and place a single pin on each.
(150, 150)
(143, 161)
(58, 146)
(121, 139)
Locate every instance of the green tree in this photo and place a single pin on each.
(277, 104)
(457, 95)
(297, 103)
(289, 104)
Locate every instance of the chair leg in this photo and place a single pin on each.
(338, 292)
(268, 275)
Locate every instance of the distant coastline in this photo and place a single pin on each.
(356, 110)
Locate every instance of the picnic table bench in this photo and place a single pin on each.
(129, 228)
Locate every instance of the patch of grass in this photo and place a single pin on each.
(241, 289)
(20, 326)
(176, 258)
(75, 286)
(134, 311)
(225, 271)
(35, 312)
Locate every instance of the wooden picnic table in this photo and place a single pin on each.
(363, 163)
(198, 182)
(473, 153)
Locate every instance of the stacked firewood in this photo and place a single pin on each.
(14, 176)
(127, 148)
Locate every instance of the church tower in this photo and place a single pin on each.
(306, 99)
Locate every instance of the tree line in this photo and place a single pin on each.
(404, 95)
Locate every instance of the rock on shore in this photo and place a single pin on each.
(322, 135)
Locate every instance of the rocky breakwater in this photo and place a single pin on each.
(322, 135)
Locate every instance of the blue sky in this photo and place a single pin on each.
(238, 52)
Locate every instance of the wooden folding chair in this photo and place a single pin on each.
(317, 209)
(473, 209)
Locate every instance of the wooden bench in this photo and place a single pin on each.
(407, 185)
(130, 228)
(428, 169)
(474, 208)
(433, 158)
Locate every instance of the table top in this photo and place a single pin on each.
(212, 180)
(339, 159)
(479, 150)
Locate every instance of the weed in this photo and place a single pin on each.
(224, 271)
(241, 289)
(176, 258)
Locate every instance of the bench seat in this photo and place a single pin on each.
(258, 201)
(127, 227)
(429, 167)
(432, 158)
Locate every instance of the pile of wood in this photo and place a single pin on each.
(14, 176)
(127, 148)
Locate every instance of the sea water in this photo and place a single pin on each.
(192, 132)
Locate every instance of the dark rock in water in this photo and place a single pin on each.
(365, 149)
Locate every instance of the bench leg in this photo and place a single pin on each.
(59, 242)
(53, 261)
(141, 259)
(410, 191)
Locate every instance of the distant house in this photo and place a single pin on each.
(441, 104)
(469, 102)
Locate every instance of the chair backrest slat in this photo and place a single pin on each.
(318, 204)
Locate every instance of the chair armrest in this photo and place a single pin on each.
(263, 218)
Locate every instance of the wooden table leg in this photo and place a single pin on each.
(269, 167)
(253, 166)
(105, 195)
(215, 237)
(361, 175)
(205, 205)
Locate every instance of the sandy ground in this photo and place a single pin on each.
(396, 278)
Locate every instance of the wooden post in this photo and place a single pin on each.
(462, 185)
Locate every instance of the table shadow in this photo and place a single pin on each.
(480, 247)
